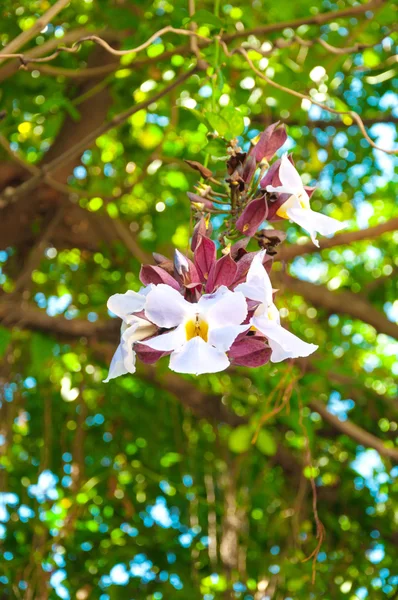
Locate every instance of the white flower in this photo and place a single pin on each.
(203, 332)
(266, 317)
(297, 207)
(134, 329)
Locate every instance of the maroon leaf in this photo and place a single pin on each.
(205, 256)
(239, 248)
(249, 169)
(270, 141)
(252, 217)
(163, 262)
(148, 355)
(223, 272)
(202, 228)
(271, 176)
(204, 171)
(152, 274)
(249, 352)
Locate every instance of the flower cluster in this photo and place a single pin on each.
(205, 312)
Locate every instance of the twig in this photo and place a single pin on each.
(351, 113)
(27, 35)
(320, 529)
(318, 19)
(194, 39)
(282, 43)
(101, 42)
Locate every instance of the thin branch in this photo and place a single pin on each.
(318, 19)
(12, 195)
(351, 113)
(355, 432)
(283, 43)
(12, 66)
(101, 42)
(27, 35)
(322, 123)
(340, 239)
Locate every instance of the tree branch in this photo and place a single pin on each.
(355, 432)
(86, 142)
(340, 239)
(318, 19)
(204, 405)
(340, 302)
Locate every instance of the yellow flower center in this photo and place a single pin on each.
(282, 211)
(196, 328)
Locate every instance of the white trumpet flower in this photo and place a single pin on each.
(134, 329)
(266, 319)
(204, 331)
(297, 206)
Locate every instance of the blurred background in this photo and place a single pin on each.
(149, 487)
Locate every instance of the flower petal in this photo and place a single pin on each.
(140, 329)
(123, 360)
(223, 308)
(223, 337)
(258, 284)
(126, 304)
(166, 307)
(172, 340)
(288, 175)
(314, 222)
(282, 342)
(198, 357)
(117, 367)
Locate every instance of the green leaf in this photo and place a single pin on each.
(196, 113)
(205, 17)
(266, 443)
(216, 147)
(218, 123)
(234, 118)
(240, 439)
(5, 336)
(41, 351)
